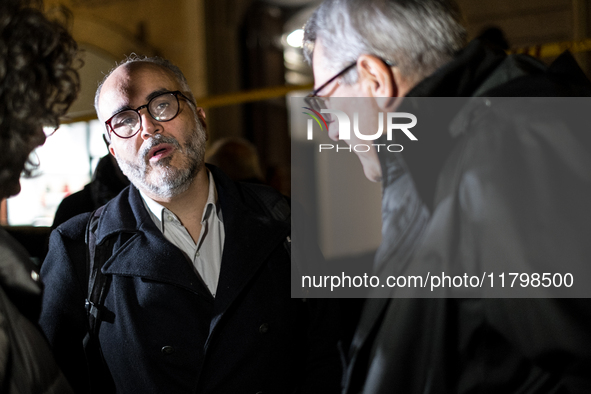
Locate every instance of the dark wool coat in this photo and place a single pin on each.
(164, 333)
(500, 183)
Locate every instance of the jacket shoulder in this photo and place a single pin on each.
(261, 199)
(264, 199)
(75, 228)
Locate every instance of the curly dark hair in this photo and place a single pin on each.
(38, 79)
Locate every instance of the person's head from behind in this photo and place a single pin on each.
(237, 158)
(378, 48)
(153, 126)
(38, 82)
(391, 45)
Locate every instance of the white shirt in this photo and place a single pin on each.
(206, 253)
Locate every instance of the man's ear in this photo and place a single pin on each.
(111, 150)
(201, 116)
(376, 77)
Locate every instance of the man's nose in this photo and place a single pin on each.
(150, 126)
(333, 131)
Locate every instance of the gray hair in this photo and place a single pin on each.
(418, 36)
(133, 58)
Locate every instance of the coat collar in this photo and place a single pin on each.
(462, 76)
(478, 70)
(251, 236)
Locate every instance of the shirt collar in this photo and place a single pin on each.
(158, 211)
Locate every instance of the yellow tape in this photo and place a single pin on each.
(224, 99)
(248, 96)
(554, 49)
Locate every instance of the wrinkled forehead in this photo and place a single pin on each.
(131, 84)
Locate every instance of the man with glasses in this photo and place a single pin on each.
(494, 184)
(197, 269)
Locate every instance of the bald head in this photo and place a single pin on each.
(137, 61)
(132, 85)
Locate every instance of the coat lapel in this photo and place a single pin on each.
(250, 239)
(154, 258)
(147, 254)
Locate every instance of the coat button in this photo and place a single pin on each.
(167, 350)
(264, 328)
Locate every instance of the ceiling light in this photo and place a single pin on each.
(295, 38)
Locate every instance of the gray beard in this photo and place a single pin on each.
(173, 180)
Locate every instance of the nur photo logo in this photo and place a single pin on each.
(343, 122)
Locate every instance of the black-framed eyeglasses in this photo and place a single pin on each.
(163, 108)
(318, 103)
(325, 84)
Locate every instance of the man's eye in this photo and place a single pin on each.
(161, 107)
(125, 121)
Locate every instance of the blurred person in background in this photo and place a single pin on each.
(107, 182)
(237, 158)
(38, 82)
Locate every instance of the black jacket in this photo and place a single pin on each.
(26, 362)
(500, 185)
(165, 333)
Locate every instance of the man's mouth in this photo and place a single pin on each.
(160, 151)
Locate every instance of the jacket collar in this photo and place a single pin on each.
(250, 238)
(459, 78)
(462, 76)
(478, 70)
